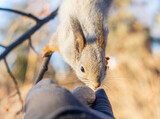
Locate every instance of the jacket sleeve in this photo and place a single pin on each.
(102, 103)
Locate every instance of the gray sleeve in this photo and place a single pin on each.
(102, 103)
(49, 101)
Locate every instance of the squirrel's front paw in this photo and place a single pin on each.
(46, 51)
(106, 60)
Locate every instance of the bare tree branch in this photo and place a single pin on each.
(21, 110)
(31, 46)
(43, 69)
(28, 34)
(3, 46)
(21, 13)
(15, 82)
(21, 39)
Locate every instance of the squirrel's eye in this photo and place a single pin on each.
(82, 69)
(105, 68)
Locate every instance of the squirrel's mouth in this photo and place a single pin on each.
(89, 83)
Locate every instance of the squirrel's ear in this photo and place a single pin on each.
(100, 32)
(79, 41)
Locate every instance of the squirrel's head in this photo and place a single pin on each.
(90, 64)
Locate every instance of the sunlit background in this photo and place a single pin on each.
(133, 80)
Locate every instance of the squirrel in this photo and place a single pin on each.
(81, 37)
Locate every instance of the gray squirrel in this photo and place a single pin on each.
(81, 37)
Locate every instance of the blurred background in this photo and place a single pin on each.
(133, 80)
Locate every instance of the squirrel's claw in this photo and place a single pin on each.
(106, 60)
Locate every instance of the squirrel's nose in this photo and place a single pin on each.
(96, 85)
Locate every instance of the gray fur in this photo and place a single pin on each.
(92, 56)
